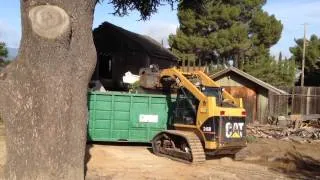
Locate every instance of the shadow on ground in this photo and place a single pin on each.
(120, 143)
(217, 157)
(87, 158)
(208, 157)
(299, 166)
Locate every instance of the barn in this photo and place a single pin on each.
(120, 51)
(255, 93)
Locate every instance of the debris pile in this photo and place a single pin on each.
(296, 129)
(265, 131)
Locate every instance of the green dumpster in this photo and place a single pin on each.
(116, 116)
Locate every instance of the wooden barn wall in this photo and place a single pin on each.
(249, 98)
(232, 80)
(255, 97)
(262, 105)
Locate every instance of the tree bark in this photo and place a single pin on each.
(43, 93)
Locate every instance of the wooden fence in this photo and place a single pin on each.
(192, 68)
(301, 100)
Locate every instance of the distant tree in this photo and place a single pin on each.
(43, 99)
(280, 57)
(3, 51)
(277, 73)
(3, 55)
(225, 30)
(4, 63)
(312, 59)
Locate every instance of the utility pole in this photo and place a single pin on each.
(303, 54)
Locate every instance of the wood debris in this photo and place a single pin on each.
(303, 129)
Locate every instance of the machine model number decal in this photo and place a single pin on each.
(148, 118)
(234, 130)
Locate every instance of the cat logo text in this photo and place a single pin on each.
(234, 130)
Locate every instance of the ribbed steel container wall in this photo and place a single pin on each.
(116, 116)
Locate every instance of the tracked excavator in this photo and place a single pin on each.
(206, 119)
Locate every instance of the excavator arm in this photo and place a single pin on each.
(207, 81)
(182, 81)
(150, 79)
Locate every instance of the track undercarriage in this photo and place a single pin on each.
(179, 145)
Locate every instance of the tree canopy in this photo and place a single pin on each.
(277, 73)
(225, 30)
(145, 8)
(3, 51)
(312, 59)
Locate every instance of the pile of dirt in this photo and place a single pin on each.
(298, 159)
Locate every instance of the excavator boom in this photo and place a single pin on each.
(152, 80)
(182, 81)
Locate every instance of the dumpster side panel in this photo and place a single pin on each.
(115, 116)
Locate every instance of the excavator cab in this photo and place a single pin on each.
(213, 92)
(186, 108)
(187, 104)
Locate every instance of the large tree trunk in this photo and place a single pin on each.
(43, 93)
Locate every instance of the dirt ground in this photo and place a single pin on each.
(262, 159)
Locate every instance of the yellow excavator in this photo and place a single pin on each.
(206, 119)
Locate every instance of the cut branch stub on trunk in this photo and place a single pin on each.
(49, 21)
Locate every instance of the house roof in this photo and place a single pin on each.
(111, 37)
(250, 78)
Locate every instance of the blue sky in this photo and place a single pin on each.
(292, 13)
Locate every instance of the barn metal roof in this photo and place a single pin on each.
(250, 78)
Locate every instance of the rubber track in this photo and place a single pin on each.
(195, 145)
